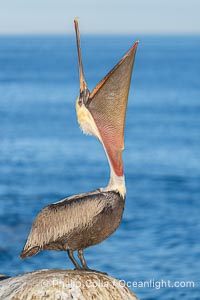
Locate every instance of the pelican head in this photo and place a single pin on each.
(102, 112)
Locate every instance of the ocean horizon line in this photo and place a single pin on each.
(115, 34)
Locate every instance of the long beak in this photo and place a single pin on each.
(83, 85)
(107, 105)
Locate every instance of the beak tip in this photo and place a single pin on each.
(135, 45)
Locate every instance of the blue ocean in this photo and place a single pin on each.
(44, 157)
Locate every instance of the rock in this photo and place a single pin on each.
(2, 277)
(64, 285)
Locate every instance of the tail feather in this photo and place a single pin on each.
(29, 252)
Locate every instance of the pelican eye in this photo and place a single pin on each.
(80, 101)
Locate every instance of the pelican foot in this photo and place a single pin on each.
(95, 271)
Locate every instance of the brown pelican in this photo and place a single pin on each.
(83, 220)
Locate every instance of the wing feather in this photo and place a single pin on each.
(60, 219)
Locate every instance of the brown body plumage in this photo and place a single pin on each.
(83, 220)
(75, 223)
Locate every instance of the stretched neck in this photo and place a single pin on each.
(116, 183)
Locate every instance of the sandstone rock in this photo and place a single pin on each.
(64, 285)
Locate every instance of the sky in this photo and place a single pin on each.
(100, 16)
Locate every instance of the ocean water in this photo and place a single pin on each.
(44, 157)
